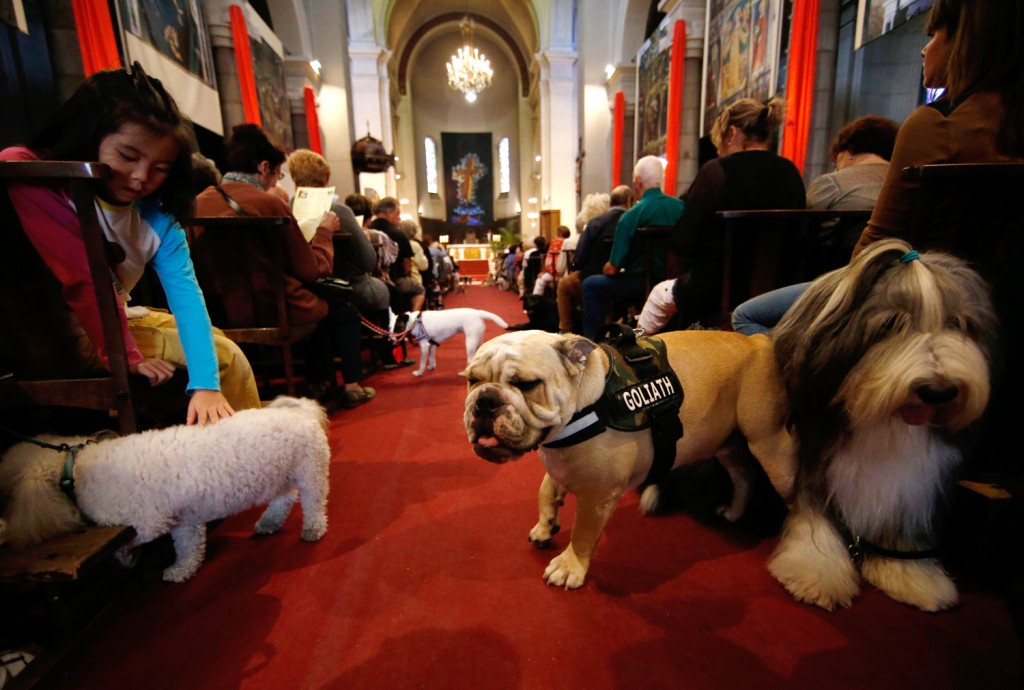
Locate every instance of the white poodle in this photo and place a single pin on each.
(177, 479)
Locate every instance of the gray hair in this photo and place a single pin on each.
(650, 171)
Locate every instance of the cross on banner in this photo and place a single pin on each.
(466, 175)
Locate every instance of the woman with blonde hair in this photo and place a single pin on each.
(748, 174)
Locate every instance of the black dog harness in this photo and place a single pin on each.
(641, 392)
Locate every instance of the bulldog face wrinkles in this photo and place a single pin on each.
(519, 390)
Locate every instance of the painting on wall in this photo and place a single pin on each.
(170, 40)
(741, 54)
(653, 62)
(275, 112)
(878, 17)
(469, 178)
(175, 28)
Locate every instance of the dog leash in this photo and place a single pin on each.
(67, 477)
(395, 337)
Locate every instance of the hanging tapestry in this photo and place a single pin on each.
(170, 40)
(654, 59)
(741, 54)
(878, 17)
(469, 182)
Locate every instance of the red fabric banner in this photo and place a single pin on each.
(803, 44)
(618, 120)
(312, 121)
(677, 70)
(95, 36)
(243, 60)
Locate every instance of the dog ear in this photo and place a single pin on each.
(37, 509)
(575, 349)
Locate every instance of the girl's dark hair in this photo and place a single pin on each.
(249, 146)
(986, 53)
(103, 104)
(360, 205)
(868, 134)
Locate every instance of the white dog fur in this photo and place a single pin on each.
(885, 362)
(177, 479)
(525, 387)
(440, 325)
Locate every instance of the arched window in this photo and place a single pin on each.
(430, 162)
(504, 167)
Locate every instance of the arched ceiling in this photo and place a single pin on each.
(509, 24)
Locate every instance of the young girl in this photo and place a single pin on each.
(129, 122)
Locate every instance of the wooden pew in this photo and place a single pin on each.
(239, 262)
(766, 249)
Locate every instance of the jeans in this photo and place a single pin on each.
(600, 291)
(760, 314)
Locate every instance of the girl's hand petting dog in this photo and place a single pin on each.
(207, 407)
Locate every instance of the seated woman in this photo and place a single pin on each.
(253, 166)
(126, 119)
(358, 258)
(861, 153)
(746, 176)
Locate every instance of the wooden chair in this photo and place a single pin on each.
(38, 355)
(767, 249)
(239, 262)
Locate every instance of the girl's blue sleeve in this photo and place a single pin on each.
(173, 265)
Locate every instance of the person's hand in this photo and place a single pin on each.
(331, 222)
(207, 407)
(156, 370)
(610, 269)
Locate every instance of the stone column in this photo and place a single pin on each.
(559, 132)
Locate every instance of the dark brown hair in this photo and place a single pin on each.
(868, 134)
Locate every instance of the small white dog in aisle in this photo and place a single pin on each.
(431, 328)
(175, 480)
(886, 363)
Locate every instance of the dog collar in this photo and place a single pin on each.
(858, 547)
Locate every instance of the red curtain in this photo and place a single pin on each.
(95, 35)
(803, 45)
(675, 104)
(243, 60)
(618, 118)
(312, 121)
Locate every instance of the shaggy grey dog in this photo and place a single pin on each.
(886, 363)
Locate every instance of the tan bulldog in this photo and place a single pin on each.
(525, 388)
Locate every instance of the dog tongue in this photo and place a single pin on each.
(916, 415)
(488, 442)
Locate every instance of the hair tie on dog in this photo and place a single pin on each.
(909, 256)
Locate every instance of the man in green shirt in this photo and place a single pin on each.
(624, 274)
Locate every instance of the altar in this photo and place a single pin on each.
(475, 260)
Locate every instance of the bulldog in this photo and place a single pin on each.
(430, 328)
(525, 388)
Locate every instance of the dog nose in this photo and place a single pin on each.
(937, 395)
(488, 402)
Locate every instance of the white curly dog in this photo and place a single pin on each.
(175, 480)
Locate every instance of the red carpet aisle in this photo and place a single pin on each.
(426, 580)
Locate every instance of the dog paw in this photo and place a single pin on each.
(265, 526)
(728, 513)
(313, 533)
(417, 373)
(542, 532)
(921, 583)
(127, 557)
(565, 570)
(179, 573)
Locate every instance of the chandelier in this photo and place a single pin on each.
(469, 71)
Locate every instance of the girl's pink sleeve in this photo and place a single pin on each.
(51, 225)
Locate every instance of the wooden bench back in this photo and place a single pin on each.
(36, 350)
(768, 249)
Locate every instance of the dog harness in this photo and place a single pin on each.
(640, 392)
